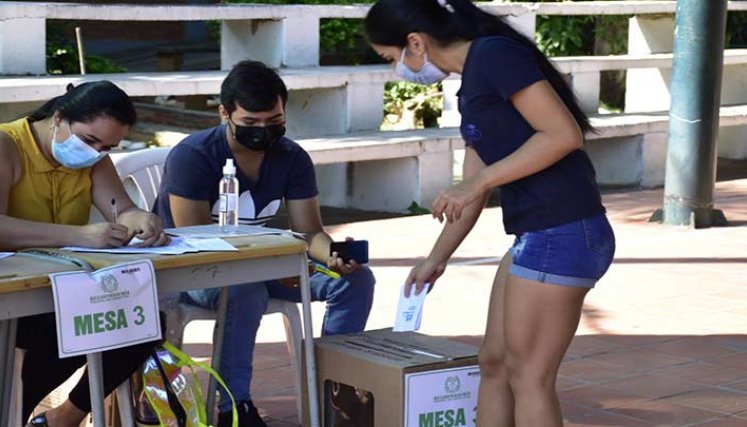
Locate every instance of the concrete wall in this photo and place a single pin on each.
(649, 89)
(288, 37)
(19, 52)
(9, 112)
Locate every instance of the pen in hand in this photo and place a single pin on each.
(114, 210)
(115, 218)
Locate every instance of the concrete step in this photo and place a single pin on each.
(167, 12)
(627, 124)
(367, 146)
(40, 88)
(388, 170)
(588, 64)
(378, 145)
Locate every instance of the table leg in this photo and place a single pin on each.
(220, 327)
(7, 359)
(308, 342)
(96, 386)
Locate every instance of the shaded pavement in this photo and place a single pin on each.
(662, 337)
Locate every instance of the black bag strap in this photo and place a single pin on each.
(174, 404)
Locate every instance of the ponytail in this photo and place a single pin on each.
(447, 21)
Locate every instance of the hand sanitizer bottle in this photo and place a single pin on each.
(228, 214)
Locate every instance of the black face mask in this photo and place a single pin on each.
(259, 138)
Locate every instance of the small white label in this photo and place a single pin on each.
(110, 308)
(228, 202)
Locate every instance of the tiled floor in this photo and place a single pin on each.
(662, 339)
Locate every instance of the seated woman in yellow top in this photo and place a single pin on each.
(53, 168)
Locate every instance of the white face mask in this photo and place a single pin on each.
(74, 153)
(427, 75)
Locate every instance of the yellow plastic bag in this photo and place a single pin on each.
(176, 401)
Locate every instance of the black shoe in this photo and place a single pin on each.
(38, 421)
(248, 416)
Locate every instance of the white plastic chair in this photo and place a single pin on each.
(141, 173)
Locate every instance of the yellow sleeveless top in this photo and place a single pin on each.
(46, 193)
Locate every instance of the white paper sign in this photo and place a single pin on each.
(410, 310)
(110, 308)
(443, 398)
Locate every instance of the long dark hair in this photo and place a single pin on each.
(89, 101)
(390, 21)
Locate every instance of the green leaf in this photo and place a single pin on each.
(416, 209)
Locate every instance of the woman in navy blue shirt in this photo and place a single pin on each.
(524, 133)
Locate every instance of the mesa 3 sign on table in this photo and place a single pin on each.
(110, 308)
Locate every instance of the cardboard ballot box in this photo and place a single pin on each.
(388, 379)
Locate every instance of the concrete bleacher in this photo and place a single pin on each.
(335, 112)
(39, 88)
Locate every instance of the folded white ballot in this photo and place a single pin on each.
(410, 310)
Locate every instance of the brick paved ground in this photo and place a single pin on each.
(662, 336)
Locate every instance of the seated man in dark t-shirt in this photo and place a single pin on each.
(270, 168)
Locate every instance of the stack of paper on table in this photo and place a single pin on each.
(215, 230)
(177, 246)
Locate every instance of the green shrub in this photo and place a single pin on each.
(62, 55)
(565, 35)
(63, 59)
(414, 105)
(736, 30)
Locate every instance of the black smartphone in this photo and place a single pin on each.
(356, 250)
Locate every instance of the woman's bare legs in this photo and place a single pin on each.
(539, 324)
(495, 405)
(530, 326)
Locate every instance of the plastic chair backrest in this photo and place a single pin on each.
(141, 173)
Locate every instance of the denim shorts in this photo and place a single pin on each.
(573, 254)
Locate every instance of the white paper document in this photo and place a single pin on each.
(410, 310)
(215, 230)
(6, 254)
(177, 246)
